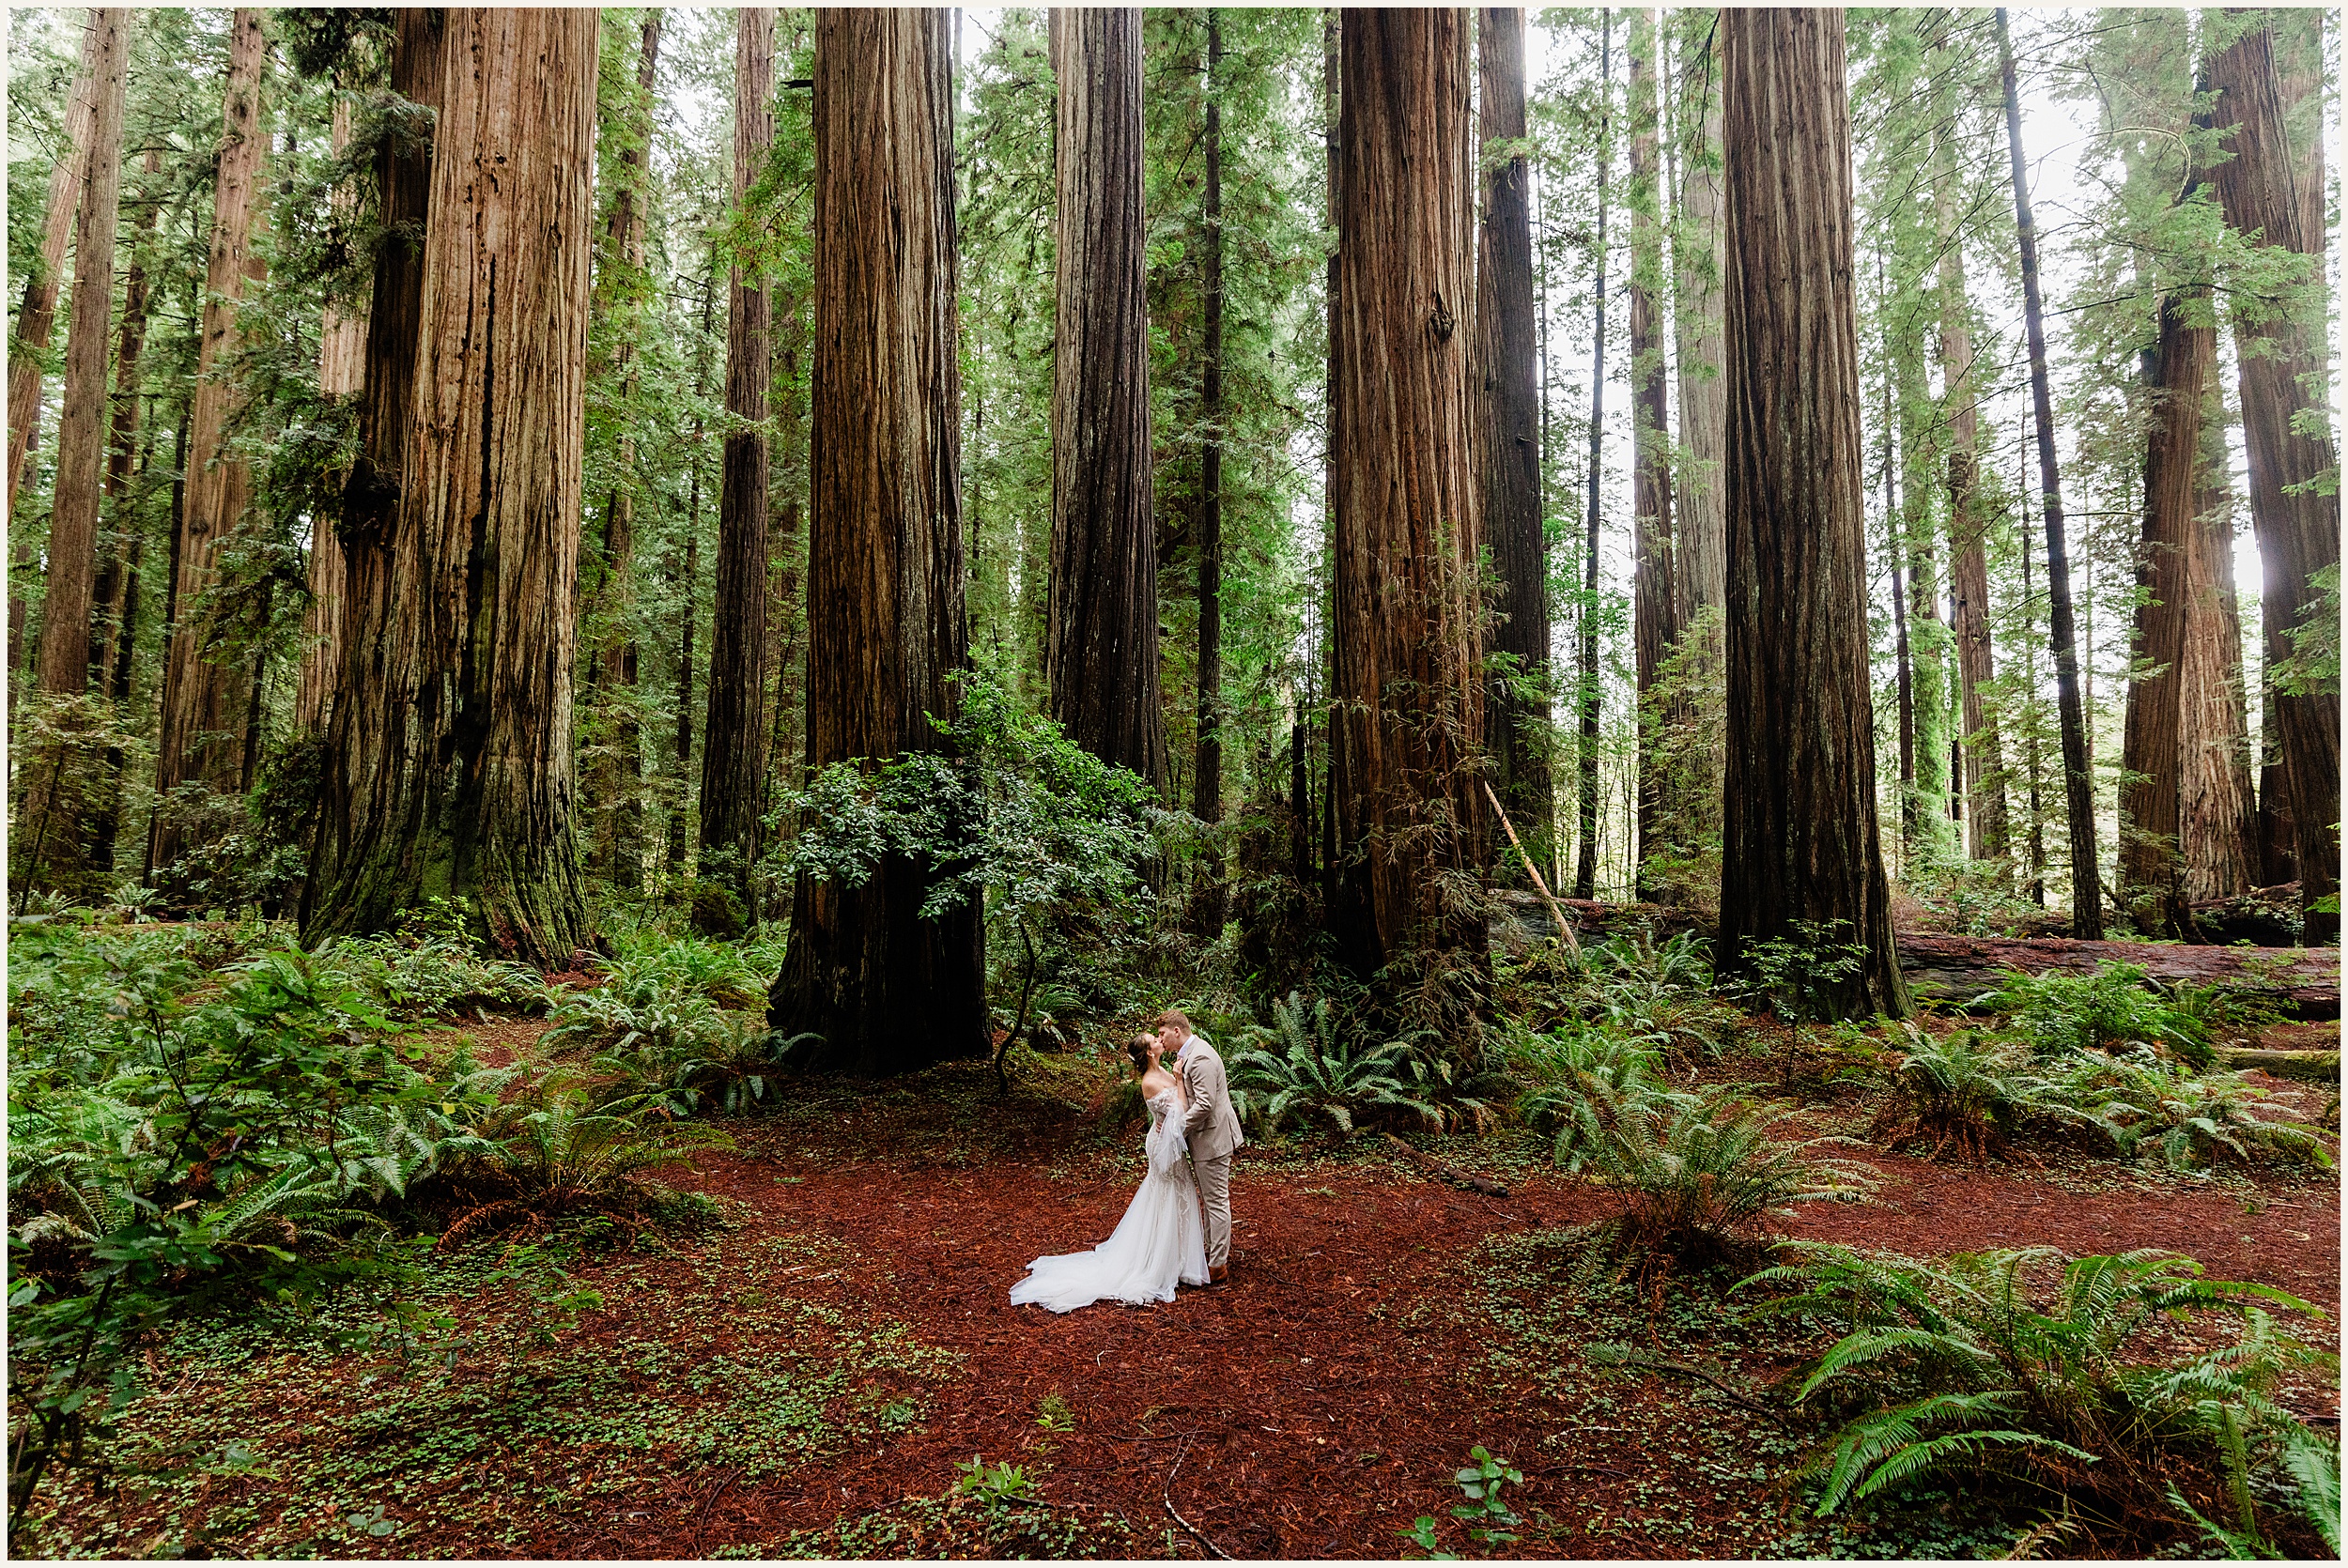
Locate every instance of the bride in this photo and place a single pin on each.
(1161, 1241)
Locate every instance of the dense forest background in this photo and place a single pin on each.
(190, 770)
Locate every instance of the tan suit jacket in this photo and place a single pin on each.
(1209, 1123)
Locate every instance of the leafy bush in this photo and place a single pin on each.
(435, 977)
(1966, 1090)
(2111, 1009)
(1959, 1368)
(2189, 1118)
(1701, 1170)
(172, 1143)
(1301, 1065)
(551, 1152)
(1580, 1078)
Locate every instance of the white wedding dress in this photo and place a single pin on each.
(1161, 1241)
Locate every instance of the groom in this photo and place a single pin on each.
(1211, 1128)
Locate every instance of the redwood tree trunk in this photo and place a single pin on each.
(2087, 903)
(2151, 881)
(2217, 815)
(1655, 597)
(733, 737)
(458, 771)
(1207, 776)
(341, 373)
(1803, 860)
(37, 316)
(1699, 515)
(207, 684)
(65, 622)
(53, 800)
(1411, 817)
(1983, 780)
(2297, 521)
(1586, 699)
(1507, 428)
(1100, 654)
(887, 626)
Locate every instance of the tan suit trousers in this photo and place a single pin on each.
(1215, 1193)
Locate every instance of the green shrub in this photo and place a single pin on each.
(552, 1151)
(1959, 1368)
(1301, 1066)
(1580, 1078)
(1974, 1093)
(2113, 1008)
(1700, 1169)
(2187, 1119)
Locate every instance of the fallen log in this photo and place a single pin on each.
(1457, 1177)
(2308, 1067)
(2302, 982)
(1954, 970)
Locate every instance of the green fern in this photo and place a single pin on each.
(1301, 1067)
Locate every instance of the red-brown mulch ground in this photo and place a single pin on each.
(1319, 1400)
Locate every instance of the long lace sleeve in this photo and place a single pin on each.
(1167, 1144)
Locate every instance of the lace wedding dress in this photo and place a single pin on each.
(1161, 1241)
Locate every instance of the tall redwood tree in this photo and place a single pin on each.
(888, 629)
(1409, 714)
(1803, 861)
(1101, 649)
(451, 770)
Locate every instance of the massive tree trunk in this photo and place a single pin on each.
(1411, 817)
(51, 800)
(208, 682)
(2282, 357)
(1655, 597)
(734, 736)
(341, 373)
(1587, 698)
(1983, 777)
(1101, 656)
(1803, 860)
(453, 774)
(2087, 903)
(37, 316)
(1206, 777)
(2151, 882)
(1507, 428)
(2217, 817)
(886, 988)
(65, 627)
(115, 599)
(616, 795)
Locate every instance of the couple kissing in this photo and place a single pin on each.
(1176, 1230)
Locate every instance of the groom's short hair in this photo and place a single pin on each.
(1175, 1016)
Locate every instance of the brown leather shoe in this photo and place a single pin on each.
(1214, 1274)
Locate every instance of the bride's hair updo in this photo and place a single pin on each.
(1138, 1048)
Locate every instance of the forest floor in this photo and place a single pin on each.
(807, 1368)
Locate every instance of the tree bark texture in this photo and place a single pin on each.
(1207, 776)
(2151, 880)
(1655, 597)
(887, 628)
(1699, 522)
(1100, 654)
(208, 682)
(1803, 860)
(2218, 814)
(1411, 821)
(1508, 429)
(2087, 904)
(1587, 695)
(65, 625)
(37, 316)
(2280, 359)
(1987, 835)
(341, 373)
(455, 708)
(733, 735)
